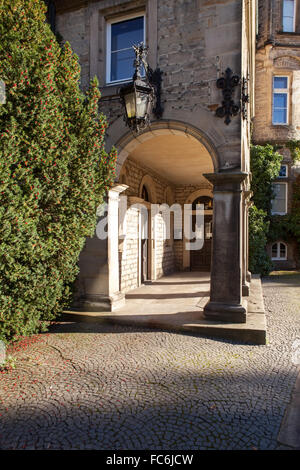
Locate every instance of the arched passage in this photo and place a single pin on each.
(179, 157)
(167, 164)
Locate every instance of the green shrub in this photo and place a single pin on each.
(259, 261)
(265, 165)
(53, 169)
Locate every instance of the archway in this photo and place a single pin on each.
(164, 166)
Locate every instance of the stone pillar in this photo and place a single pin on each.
(99, 264)
(227, 258)
(249, 204)
(246, 275)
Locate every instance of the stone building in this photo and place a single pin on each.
(277, 110)
(187, 156)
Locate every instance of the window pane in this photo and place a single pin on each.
(282, 250)
(279, 116)
(280, 82)
(288, 16)
(280, 100)
(288, 25)
(282, 172)
(122, 64)
(279, 201)
(127, 33)
(288, 8)
(279, 206)
(274, 250)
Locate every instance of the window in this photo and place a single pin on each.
(288, 16)
(280, 100)
(283, 173)
(279, 251)
(121, 36)
(205, 200)
(279, 203)
(145, 194)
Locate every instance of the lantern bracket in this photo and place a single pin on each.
(148, 83)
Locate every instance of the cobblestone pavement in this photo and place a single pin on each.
(98, 386)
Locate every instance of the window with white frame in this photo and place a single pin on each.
(288, 16)
(279, 203)
(283, 172)
(280, 100)
(279, 251)
(122, 34)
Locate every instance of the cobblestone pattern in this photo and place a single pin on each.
(96, 386)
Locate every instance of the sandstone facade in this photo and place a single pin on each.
(186, 154)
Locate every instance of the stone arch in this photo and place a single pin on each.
(129, 142)
(123, 177)
(287, 62)
(200, 192)
(148, 182)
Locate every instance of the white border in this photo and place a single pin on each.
(108, 43)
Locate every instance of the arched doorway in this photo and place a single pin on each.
(200, 260)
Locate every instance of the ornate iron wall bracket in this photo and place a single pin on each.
(244, 98)
(228, 84)
(142, 96)
(155, 78)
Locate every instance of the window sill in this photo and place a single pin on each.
(289, 33)
(278, 213)
(284, 126)
(112, 89)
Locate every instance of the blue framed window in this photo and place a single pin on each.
(121, 36)
(280, 100)
(283, 173)
(288, 16)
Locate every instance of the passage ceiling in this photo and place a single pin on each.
(179, 159)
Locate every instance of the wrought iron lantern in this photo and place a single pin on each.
(138, 96)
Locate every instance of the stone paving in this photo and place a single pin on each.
(99, 386)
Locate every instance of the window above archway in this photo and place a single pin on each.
(205, 200)
(145, 194)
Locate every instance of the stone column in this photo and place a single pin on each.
(246, 278)
(249, 204)
(226, 274)
(245, 282)
(99, 263)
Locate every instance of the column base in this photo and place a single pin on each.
(246, 289)
(100, 303)
(218, 311)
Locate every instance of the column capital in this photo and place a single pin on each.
(119, 188)
(226, 180)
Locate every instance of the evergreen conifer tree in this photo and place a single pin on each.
(53, 169)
